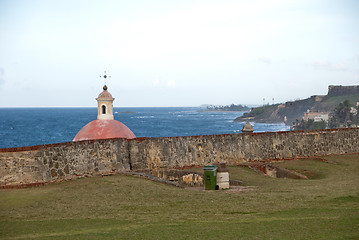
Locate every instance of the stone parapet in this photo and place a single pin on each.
(56, 162)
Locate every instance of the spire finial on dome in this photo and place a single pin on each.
(104, 87)
(105, 76)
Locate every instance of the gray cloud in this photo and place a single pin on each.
(2, 72)
(327, 65)
(265, 60)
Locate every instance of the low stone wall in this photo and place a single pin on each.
(55, 162)
(238, 148)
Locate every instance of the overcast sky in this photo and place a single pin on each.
(175, 53)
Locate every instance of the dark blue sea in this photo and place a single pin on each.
(36, 126)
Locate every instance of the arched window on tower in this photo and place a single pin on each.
(103, 109)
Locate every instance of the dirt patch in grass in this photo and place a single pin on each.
(310, 174)
(232, 189)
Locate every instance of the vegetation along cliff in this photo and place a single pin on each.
(339, 108)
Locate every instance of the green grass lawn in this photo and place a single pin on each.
(124, 207)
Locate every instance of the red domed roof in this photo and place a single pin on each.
(102, 129)
(105, 93)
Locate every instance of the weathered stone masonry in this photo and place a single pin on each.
(54, 162)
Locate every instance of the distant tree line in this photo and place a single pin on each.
(344, 115)
(310, 124)
(231, 107)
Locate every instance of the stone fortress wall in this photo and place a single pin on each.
(339, 90)
(56, 162)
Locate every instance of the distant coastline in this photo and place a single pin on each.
(326, 106)
(227, 108)
(125, 112)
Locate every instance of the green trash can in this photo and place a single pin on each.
(210, 177)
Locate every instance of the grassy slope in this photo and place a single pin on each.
(330, 101)
(326, 207)
(260, 113)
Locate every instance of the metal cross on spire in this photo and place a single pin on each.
(105, 76)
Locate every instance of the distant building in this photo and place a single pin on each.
(339, 90)
(247, 128)
(316, 116)
(353, 111)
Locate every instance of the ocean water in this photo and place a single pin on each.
(35, 126)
